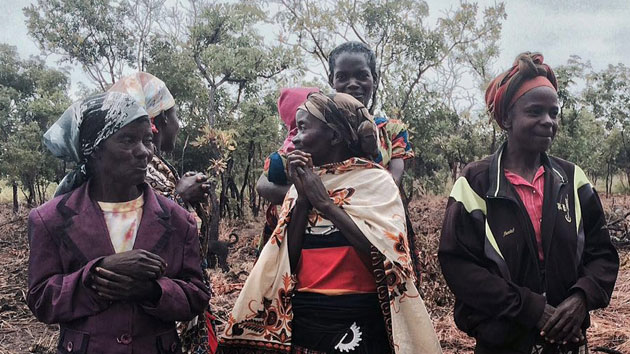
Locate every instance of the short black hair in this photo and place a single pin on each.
(352, 47)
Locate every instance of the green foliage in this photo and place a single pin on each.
(95, 33)
(32, 96)
(225, 76)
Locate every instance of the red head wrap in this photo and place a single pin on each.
(290, 99)
(527, 72)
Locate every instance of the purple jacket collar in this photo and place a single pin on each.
(82, 216)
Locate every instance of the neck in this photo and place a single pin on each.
(104, 190)
(334, 156)
(521, 162)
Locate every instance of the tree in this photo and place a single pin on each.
(418, 64)
(31, 97)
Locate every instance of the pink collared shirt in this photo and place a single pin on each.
(531, 195)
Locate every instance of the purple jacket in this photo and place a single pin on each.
(68, 235)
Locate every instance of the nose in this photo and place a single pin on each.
(143, 151)
(353, 84)
(547, 120)
(296, 139)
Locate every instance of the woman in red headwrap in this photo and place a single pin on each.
(524, 244)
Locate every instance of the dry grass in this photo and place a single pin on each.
(20, 332)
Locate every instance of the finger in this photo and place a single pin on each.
(298, 162)
(551, 322)
(111, 276)
(560, 329)
(105, 289)
(111, 295)
(190, 173)
(300, 171)
(103, 285)
(161, 262)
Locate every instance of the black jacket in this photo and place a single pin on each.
(488, 251)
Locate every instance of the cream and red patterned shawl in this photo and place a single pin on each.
(260, 320)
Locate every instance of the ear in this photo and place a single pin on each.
(507, 122)
(336, 138)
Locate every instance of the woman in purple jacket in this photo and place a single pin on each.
(111, 261)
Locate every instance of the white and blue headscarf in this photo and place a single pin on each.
(83, 126)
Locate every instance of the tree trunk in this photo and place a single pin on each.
(16, 205)
(215, 214)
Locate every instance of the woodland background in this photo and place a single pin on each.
(225, 72)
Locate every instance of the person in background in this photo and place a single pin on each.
(524, 244)
(112, 262)
(197, 336)
(352, 68)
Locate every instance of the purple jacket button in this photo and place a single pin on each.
(124, 339)
(69, 347)
(173, 347)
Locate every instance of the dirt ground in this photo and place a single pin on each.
(21, 333)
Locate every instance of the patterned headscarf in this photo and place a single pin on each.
(150, 92)
(83, 126)
(348, 117)
(288, 102)
(527, 72)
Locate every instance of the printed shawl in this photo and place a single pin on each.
(261, 319)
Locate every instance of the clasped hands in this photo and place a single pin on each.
(128, 276)
(311, 190)
(563, 324)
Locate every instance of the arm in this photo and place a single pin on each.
(319, 198)
(464, 265)
(600, 260)
(54, 296)
(396, 168)
(295, 231)
(349, 229)
(185, 296)
(274, 193)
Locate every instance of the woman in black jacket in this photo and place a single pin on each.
(524, 244)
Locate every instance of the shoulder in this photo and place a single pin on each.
(179, 217)
(50, 213)
(573, 172)
(477, 174)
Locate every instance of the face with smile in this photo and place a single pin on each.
(123, 157)
(532, 120)
(353, 76)
(313, 136)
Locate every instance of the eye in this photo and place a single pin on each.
(534, 112)
(340, 76)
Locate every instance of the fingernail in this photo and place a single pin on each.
(552, 341)
(542, 334)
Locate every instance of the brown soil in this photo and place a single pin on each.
(21, 333)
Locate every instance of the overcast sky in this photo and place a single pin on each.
(596, 30)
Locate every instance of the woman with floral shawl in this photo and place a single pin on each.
(336, 275)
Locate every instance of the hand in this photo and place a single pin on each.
(192, 187)
(544, 318)
(565, 324)
(137, 264)
(316, 193)
(295, 159)
(117, 287)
